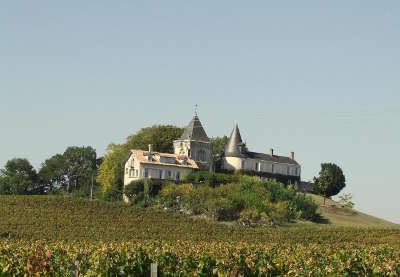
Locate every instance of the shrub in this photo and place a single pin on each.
(223, 209)
(134, 188)
(305, 206)
(173, 195)
(279, 212)
(139, 191)
(210, 179)
(250, 216)
(246, 200)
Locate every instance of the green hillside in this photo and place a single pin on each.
(51, 217)
(334, 214)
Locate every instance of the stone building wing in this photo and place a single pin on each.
(236, 148)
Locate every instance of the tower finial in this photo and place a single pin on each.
(195, 110)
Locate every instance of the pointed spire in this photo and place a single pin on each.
(235, 144)
(195, 131)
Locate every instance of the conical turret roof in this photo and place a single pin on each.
(235, 145)
(195, 131)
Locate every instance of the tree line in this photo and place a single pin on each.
(79, 171)
(72, 171)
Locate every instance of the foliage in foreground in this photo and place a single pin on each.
(186, 258)
(74, 232)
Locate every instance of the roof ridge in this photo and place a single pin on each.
(195, 131)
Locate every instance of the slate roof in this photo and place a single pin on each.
(142, 157)
(195, 131)
(236, 148)
(269, 158)
(235, 143)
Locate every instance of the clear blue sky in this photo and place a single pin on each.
(316, 77)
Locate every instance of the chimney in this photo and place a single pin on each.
(271, 151)
(150, 154)
(292, 155)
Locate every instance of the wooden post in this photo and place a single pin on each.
(91, 189)
(153, 270)
(75, 269)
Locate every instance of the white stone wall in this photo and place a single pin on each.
(128, 166)
(153, 171)
(181, 147)
(234, 163)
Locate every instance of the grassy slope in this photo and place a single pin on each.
(334, 214)
(58, 218)
(37, 217)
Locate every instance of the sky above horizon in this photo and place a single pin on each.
(318, 78)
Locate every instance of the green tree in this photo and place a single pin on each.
(218, 144)
(160, 136)
(345, 200)
(53, 173)
(19, 177)
(331, 180)
(80, 167)
(111, 171)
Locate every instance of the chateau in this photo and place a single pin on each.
(238, 157)
(193, 151)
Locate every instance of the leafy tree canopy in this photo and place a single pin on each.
(80, 166)
(331, 180)
(53, 173)
(219, 144)
(160, 136)
(111, 171)
(19, 177)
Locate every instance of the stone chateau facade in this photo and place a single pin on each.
(238, 157)
(193, 151)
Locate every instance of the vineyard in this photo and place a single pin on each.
(59, 236)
